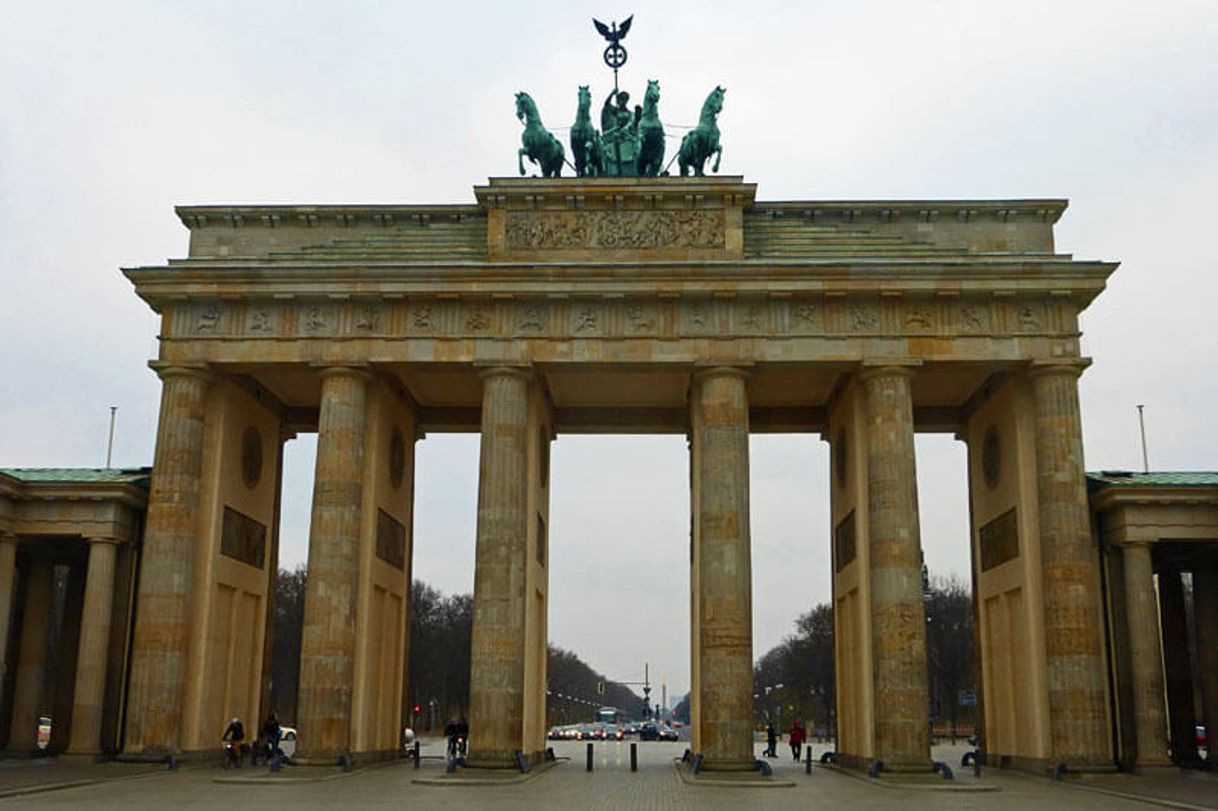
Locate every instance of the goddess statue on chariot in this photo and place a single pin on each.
(630, 143)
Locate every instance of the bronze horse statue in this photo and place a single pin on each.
(651, 133)
(586, 147)
(540, 145)
(702, 140)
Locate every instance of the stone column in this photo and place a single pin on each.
(91, 662)
(1142, 615)
(327, 648)
(1205, 607)
(1177, 668)
(898, 616)
(167, 566)
(1078, 710)
(720, 421)
(8, 583)
(29, 690)
(497, 650)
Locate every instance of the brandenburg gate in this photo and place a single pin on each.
(617, 305)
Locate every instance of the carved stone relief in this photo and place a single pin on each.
(920, 318)
(748, 314)
(207, 319)
(260, 320)
(316, 319)
(634, 230)
(863, 317)
(529, 317)
(367, 318)
(422, 317)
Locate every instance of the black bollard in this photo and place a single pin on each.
(808, 762)
(416, 754)
(589, 759)
(634, 757)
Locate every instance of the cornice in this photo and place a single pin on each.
(313, 216)
(198, 217)
(1124, 496)
(1079, 281)
(1044, 210)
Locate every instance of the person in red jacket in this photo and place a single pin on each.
(798, 736)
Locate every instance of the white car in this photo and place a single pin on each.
(287, 740)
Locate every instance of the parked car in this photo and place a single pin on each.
(287, 740)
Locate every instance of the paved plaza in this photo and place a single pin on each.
(611, 784)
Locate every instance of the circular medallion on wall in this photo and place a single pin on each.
(991, 456)
(839, 457)
(251, 457)
(397, 458)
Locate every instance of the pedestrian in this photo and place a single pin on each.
(235, 747)
(797, 737)
(771, 738)
(271, 734)
(450, 733)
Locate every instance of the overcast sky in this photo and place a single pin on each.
(112, 113)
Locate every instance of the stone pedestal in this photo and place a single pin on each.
(327, 647)
(94, 643)
(720, 422)
(30, 686)
(1076, 674)
(1205, 607)
(1177, 668)
(1141, 607)
(898, 618)
(167, 567)
(501, 558)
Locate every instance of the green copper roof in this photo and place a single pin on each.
(79, 475)
(1179, 478)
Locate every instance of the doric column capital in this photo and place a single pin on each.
(353, 370)
(101, 539)
(521, 371)
(704, 372)
(167, 370)
(1137, 543)
(870, 370)
(7, 536)
(1047, 368)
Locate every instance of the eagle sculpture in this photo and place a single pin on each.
(614, 34)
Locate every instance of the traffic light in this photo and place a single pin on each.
(417, 708)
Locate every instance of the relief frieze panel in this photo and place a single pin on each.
(623, 317)
(615, 230)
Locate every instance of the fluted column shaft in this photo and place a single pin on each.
(1177, 667)
(497, 650)
(167, 565)
(1205, 605)
(720, 421)
(30, 687)
(91, 662)
(1141, 609)
(327, 648)
(1078, 718)
(8, 583)
(898, 616)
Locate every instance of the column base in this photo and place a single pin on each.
(25, 754)
(82, 758)
(498, 760)
(728, 765)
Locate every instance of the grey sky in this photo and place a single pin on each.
(112, 113)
